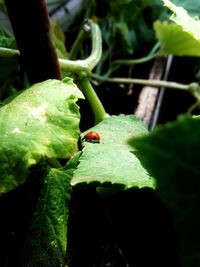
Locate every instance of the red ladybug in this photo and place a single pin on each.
(92, 137)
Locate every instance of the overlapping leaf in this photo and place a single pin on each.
(111, 161)
(46, 244)
(175, 41)
(42, 121)
(171, 154)
(181, 38)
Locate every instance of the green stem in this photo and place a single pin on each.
(152, 54)
(155, 48)
(135, 61)
(152, 83)
(193, 107)
(77, 66)
(96, 53)
(76, 45)
(86, 65)
(193, 88)
(7, 52)
(95, 103)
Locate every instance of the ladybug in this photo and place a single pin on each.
(92, 137)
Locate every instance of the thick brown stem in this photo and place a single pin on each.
(31, 26)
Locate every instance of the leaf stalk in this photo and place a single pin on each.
(95, 103)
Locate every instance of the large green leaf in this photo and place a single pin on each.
(175, 41)
(111, 161)
(171, 155)
(46, 243)
(42, 121)
(181, 38)
(181, 17)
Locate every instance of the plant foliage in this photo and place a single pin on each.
(46, 243)
(42, 121)
(181, 38)
(111, 161)
(126, 194)
(170, 154)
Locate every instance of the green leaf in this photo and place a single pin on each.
(130, 23)
(175, 41)
(42, 121)
(193, 9)
(181, 38)
(46, 243)
(171, 155)
(111, 161)
(181, 17)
